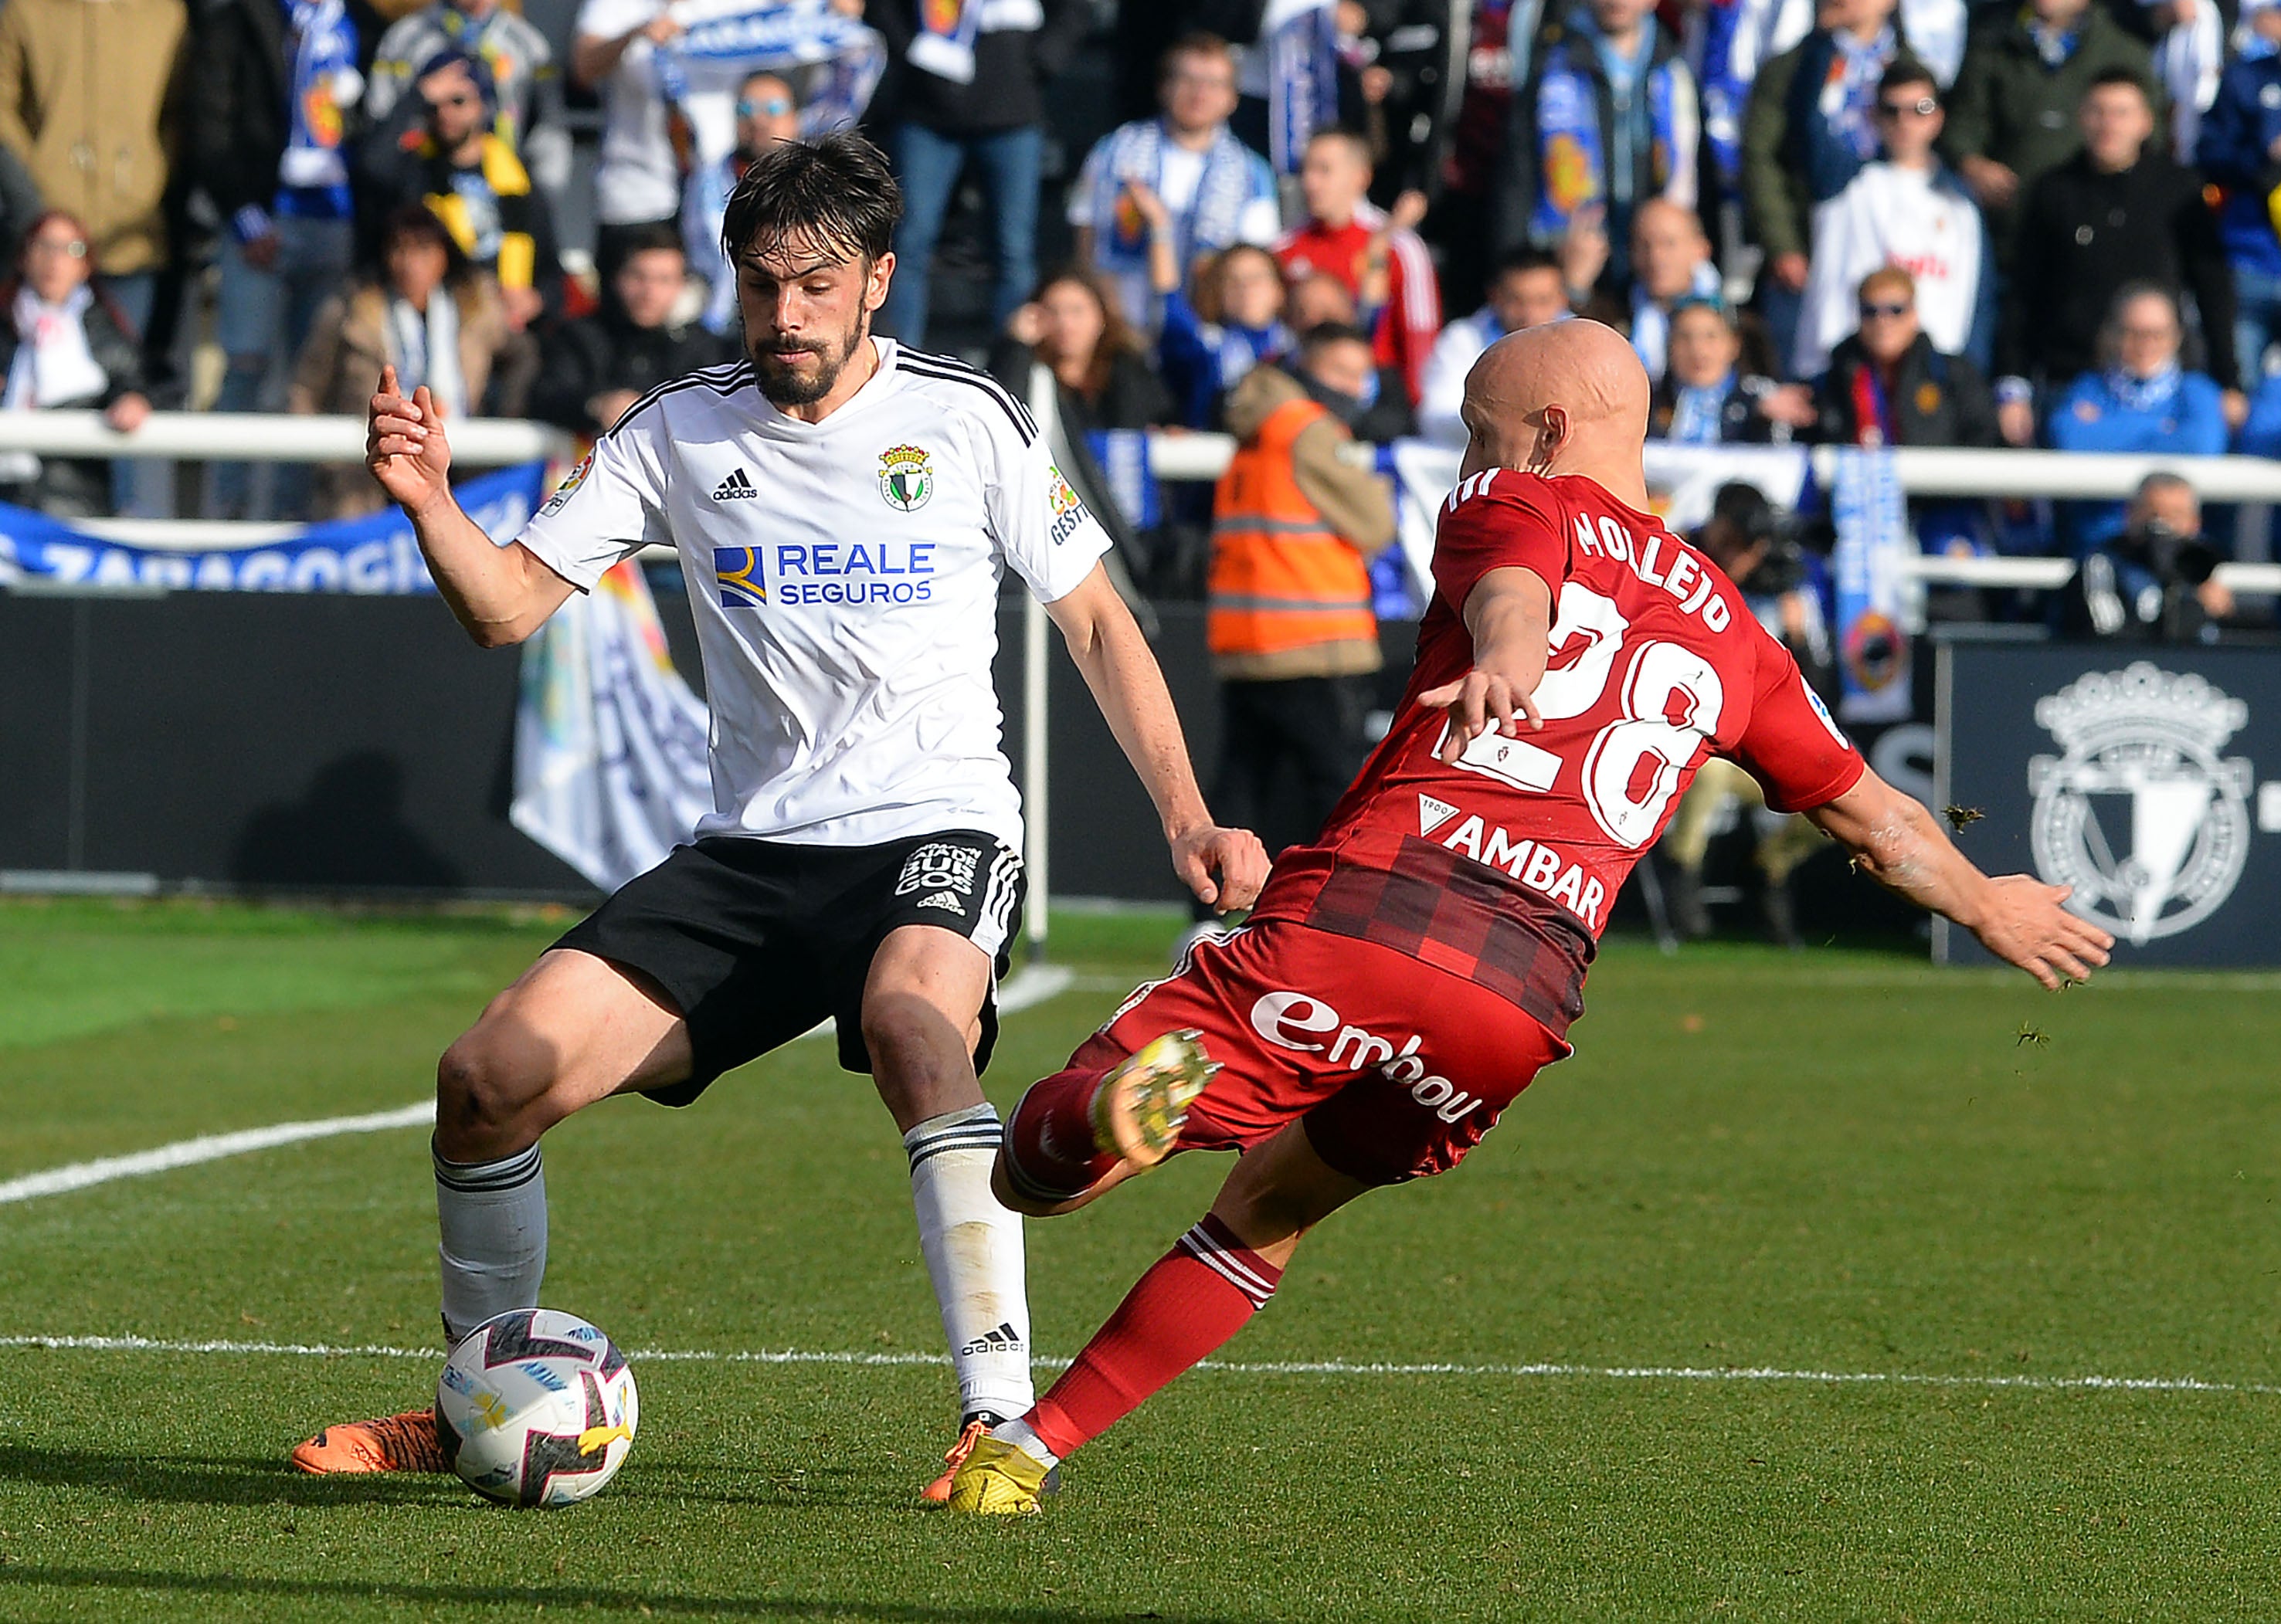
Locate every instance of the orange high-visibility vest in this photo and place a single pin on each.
(1281, 578)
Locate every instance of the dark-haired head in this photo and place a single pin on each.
(833, 196)
(810, 230)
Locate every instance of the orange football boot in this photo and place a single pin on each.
(405, 1443)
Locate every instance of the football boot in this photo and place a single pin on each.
(1142, 1101)
(405, 1443)
(997, 1478)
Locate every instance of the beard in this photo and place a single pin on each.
(781, 382)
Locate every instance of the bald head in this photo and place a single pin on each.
(1567, 398)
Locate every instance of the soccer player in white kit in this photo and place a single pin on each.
(844, 510)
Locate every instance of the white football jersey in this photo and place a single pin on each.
(844, 575)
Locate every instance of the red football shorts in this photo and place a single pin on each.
(1397, 1068)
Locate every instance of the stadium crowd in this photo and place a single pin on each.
(1917, 222)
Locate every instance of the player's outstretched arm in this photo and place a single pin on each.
(2017, 917)
(1224, 867)
(1509, 614)
(500, 594)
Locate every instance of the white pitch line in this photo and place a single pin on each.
(206, 1148)
(1031, 985)
(1233, 1367)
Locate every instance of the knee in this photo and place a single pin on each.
(490, 1098)
(903, 1032)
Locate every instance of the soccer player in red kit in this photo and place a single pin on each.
(1403, 977)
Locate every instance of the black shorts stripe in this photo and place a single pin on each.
(726, 379)
(1023, 424)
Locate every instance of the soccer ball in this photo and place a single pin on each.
(536, 1407)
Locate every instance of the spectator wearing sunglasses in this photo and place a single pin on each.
(1806, 131)
(1889, 384)
(472, 181)
(508, 44)
(1907, 209)
(766, 114)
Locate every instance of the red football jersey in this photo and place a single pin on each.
(1502, 868)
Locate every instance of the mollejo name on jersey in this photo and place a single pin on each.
(1661, 561)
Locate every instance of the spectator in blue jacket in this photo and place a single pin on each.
(2144, 401)
(1235, 324)
(2240, 151)
(2261, 431)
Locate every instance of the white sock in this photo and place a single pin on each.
(1017, 1433)
(973, 1249)
(494, 1220)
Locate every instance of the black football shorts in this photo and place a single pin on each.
(756, 941)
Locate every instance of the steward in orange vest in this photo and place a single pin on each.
(1293, 530)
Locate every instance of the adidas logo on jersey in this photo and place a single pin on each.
(942, 899)
(737, 487)
(1002, 1340)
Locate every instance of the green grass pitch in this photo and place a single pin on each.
(1840, 1162)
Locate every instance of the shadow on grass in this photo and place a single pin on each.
(245, 1480)
(255, 1480)
(237, 1585)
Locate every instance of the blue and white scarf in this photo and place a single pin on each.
(1651, 323)
(948, 28)
(1724, 88)
(2145, 395)
(1301, 41)
(1136, 153)
(726, 41)
(2053, 45)
(1574, 165)
(1123, 454)
(313, 175)
(1698, 415)
(1850, 93)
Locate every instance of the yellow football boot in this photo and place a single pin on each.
(1142, 1102)
(997, 1478)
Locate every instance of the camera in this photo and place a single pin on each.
(2172, 559)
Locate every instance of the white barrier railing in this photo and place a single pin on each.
(1928, 471)
(223, 437)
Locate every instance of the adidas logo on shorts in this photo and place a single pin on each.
(942, 899)
(736, 488)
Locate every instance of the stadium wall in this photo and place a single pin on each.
(323, 743)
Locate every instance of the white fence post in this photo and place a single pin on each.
(1036, 670)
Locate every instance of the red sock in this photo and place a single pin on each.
(1197, 1297)
(1049, 1150)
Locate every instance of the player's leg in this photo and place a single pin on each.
(1122, 1102)
(922, 1024)
(1392, 1069)
(573, 1029)
(1188, 1305)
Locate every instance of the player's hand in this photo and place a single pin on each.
(404, 445)
(1478, 702)
(2024, 924)
(1224, 867)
